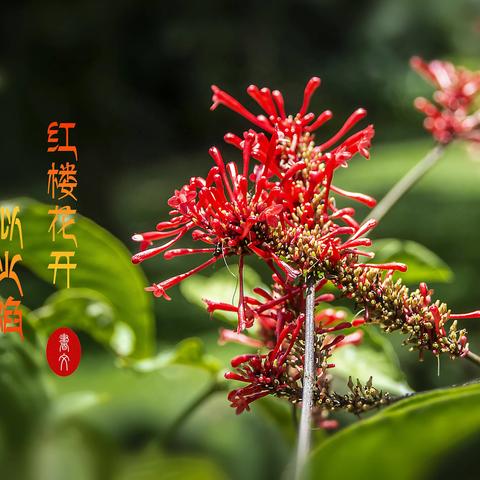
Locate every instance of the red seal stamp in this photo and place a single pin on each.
(63, 351)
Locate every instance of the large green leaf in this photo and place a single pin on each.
(152, 464)
(190, 352)
(374, 357)
(406, 440)
(24, 398)
(423, 264)
(87, 310)
(103, 265)
(75, 447)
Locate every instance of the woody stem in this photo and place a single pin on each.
(407, 182)
(304, 430)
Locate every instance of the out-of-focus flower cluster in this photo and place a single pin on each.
(455, 111)
(280, 205)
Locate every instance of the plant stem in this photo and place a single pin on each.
(304, 431)
(407, 182)
(474, 358)
(189, 410)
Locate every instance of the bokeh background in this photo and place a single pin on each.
(135, 77)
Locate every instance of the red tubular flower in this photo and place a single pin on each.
(451, 115)
(293, 131)
(220, 211)
(242, 211)
(279, 317)
(264, 374)
(241, 338)
(282, 208)
(312, 225)
(279, 372)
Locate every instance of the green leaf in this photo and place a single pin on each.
(152, 464)
(222, 286)
(24, 398)
(87, 310)
(190, 352)
(280, 413)
(72, 446)
(405, 440)
(423, 264)
(103, 265)
(374, 357)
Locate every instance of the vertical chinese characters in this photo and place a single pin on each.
(62, 183)
(10, 228)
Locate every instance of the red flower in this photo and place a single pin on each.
(294, 132)
(272, 312)
(457, 91)
(279, 317)
(312, 224)
(233, 219)
(280, 370)
(282, 209)
(219, 211)
(264, 374)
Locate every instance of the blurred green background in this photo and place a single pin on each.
(135, 77)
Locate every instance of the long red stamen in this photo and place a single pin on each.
(219, 96)
(437, 318)
(329, 166)
(401, 267)
(241, 301)
(353, 119)
(186, 251)
(141, 256)
(233, 139)
(312, 85)
(300, 321)
(277, 301)
(271, 155)
(461, 316)
(277, 96)
(152, 236)
(321, 119)
(166, 284)
(235, 337)
(359, 197)
(217, 158)
(263, 98)
(364, 228)
(247, 149)
(354, 338)
(213, 306)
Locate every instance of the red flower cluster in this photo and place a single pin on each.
(281, 207)
(219, 211)
(279, 316)
(287, 193)
(456, 113)
(293, 133)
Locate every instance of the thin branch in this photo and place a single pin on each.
(304, 431)
(407, 182)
